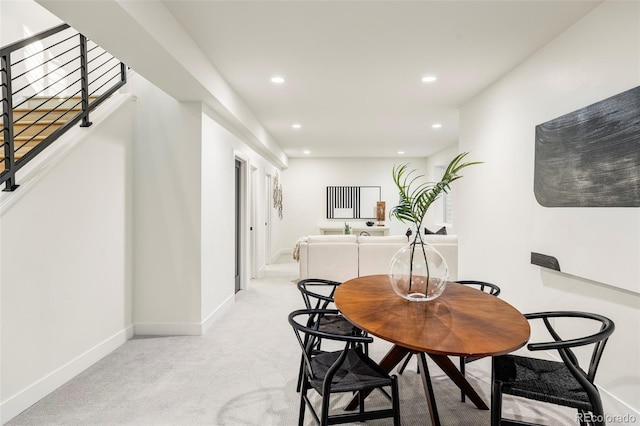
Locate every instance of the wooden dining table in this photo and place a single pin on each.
(463, 321)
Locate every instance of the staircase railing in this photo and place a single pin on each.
(50, 82)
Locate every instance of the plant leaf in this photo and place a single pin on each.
(416, 196)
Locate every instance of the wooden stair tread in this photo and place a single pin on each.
(17, 141)
(44, 108)
(28, 122)
(27, 138)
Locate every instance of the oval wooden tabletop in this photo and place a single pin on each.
(463, 321)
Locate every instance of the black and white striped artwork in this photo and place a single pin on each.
(591, 157)
(352, 202)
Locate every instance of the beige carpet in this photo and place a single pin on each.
(242, 372)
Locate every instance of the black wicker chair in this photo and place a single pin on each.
(348, 370)
(563, 383)
(490, 288)
(317, 293)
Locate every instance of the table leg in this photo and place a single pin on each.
(393, 358)
(397, 353)
(452, 371)
(390, 360)
(428, 390)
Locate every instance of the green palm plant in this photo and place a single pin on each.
(417, 195)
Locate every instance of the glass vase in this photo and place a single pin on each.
(418, 273)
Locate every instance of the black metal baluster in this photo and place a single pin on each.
(7, 120)
(84, 82)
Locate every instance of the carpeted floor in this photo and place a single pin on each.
(242, 372)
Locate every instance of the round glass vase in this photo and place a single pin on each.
(418, 273)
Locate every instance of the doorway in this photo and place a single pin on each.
(238, 225)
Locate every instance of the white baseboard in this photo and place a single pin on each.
(183, 329)
(213, 316)
(281, 252)
(15, 404)
(261, 271)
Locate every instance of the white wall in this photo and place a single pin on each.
(218, 216)
(442, 158)
(596, 58)
(167, 212)
(304, 186)
(21, 19)
(65, 270)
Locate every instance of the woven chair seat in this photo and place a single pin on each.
(355, 374)
(541, 380)
(337, 324)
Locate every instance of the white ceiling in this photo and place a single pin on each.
(353, 69)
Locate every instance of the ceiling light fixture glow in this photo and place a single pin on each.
(306, 152)
(400, 152)
(436, 125)
(296, 125)
(277, 80)
(429, 79)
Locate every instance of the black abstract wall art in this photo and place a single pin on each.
(591, 157)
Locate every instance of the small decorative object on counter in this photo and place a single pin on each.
(347, 228)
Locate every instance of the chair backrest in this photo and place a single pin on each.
(598, 340)
(317, 293)
(490, 288)
(305, 323)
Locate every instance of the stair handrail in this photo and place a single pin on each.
(36, 37)
(91, 90)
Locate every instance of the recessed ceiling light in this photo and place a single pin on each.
(306, 152)
(436, 125)
(428, 79)
(400, 152)
(296, 125)
(277, 80)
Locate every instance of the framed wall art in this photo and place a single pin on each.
(352, 202)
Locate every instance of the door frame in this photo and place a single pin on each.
(242, 221)
(253, 229)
